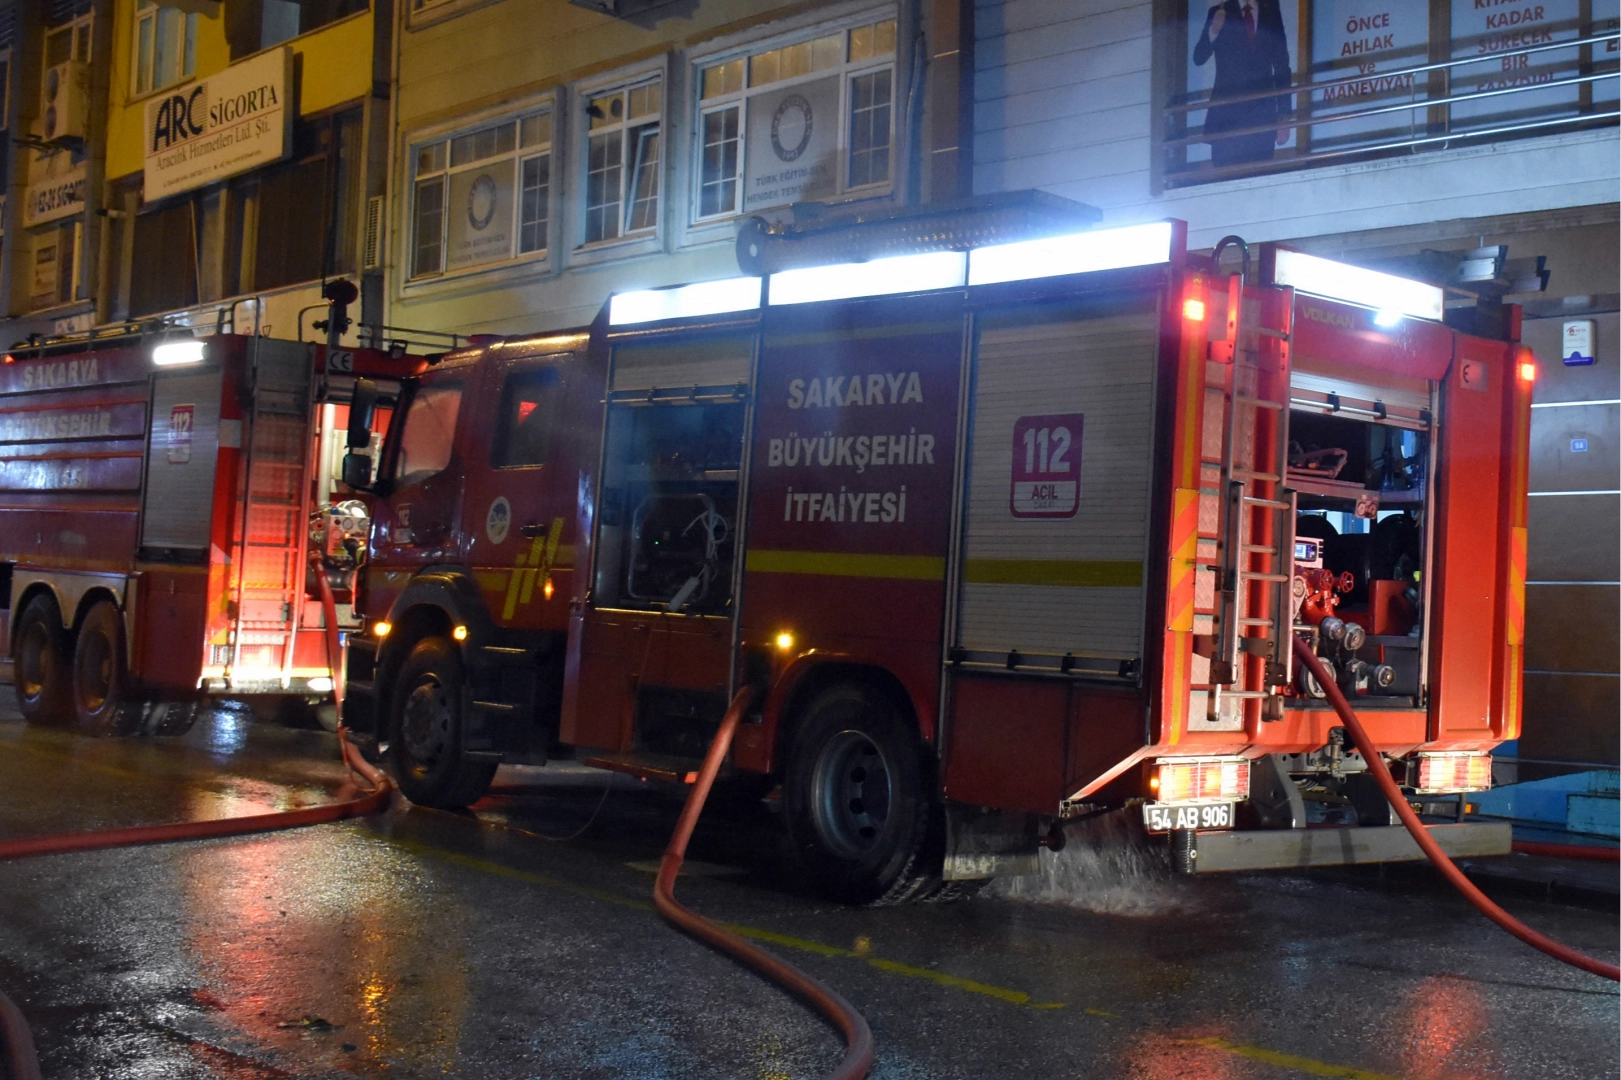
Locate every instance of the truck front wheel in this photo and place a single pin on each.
(99, 675)
(43, 656)
(425, 736)
(858, 810)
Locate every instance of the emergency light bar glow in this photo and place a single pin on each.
(185, 351)
(1077, 253)
(686, 302)
(1384, 293)
(880, 277)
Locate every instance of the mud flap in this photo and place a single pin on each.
(988, 843)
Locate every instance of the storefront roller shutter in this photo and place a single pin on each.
(1056, 535)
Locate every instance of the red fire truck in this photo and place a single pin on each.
(159, 494)
(1002, 534)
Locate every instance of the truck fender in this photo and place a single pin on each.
(435, 601)
(807, 675)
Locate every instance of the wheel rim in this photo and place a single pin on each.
(36, 660)
(425, 724)
(95, 670)
(852, 793)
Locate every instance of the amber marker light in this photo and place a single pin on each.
(785, 641)
(548, 589)
(1528, 371)
(460, 633)
(1193, 309)
(381, 629)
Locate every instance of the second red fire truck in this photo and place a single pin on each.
(1002, 533)
(166, 504)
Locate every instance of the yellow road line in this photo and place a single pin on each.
(1309, 1066)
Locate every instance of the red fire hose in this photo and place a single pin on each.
(20, 1058)
(837, 1011)
(1381, 774)
(1568, 851)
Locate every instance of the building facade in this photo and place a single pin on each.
(210, 161)
(549, 153)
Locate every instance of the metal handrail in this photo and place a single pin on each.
(1309, 87)
(1426, 103)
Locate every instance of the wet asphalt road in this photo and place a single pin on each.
(426, 944)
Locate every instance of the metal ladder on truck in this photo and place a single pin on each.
(1254, 612)
(273, 528)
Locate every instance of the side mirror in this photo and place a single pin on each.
(357, 471)
(362, 410)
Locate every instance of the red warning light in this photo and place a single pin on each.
(1528, 371)
(1193, 310)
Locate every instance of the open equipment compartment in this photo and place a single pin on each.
(1361, 471)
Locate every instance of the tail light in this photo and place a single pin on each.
(1202, 780)
(1453, 772)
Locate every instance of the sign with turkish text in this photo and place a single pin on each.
(180, 427)
(793, 145)
(1485, 31)
(1367, 40)
(56, 196)
(1046, 466)
(219, 126)
(480, 210)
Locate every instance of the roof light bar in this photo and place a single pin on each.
(1385, 293)
(685, 302)
(1076, 253)
(181, 351)
(880, 277)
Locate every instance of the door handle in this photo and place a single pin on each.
(532, 530)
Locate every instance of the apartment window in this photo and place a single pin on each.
(482, 197)
(802, 121)
(253, 25)
(165, 46)
(623, 153)
(69, 41)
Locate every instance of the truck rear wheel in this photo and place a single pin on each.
(99, 674)
(858, 811)
(425, 732)
(43, 655)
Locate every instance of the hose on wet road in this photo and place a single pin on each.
(21, 1061)
(838, 1012)
(1448, 869)
(1589, 852)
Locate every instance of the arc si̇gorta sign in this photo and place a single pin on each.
(219, 126)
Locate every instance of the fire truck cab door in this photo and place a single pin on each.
(649, 654)
(516, 509)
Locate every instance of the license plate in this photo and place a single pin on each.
(1162, 818)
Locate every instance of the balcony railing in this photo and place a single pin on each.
(1423, 92)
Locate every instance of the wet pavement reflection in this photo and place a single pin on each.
(423, 944)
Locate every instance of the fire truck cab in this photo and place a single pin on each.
(1001, 533)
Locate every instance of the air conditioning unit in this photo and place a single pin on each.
(64, 104)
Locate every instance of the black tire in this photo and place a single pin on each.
(43, 655)
(858, 801)
(100, 675)
(425, 731)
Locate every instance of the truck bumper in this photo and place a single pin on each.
(1282, 849)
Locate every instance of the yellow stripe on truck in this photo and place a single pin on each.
(1074, 573)
(839, 564)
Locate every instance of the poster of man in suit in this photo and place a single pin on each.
(1243, 47)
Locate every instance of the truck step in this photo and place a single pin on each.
(668, 770)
